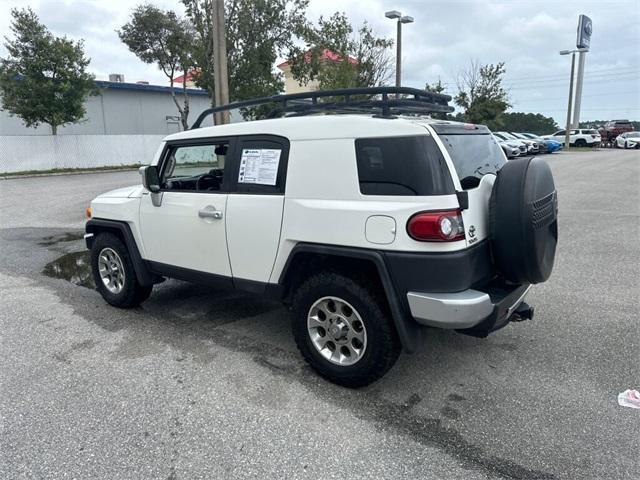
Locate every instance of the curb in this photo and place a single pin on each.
(74, 172)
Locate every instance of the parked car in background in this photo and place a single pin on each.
(511, 150)
(611, 130)
(537, 145)
(628, 140)
(511, 140)
(549, 145)
(579, 137)
(531, 147)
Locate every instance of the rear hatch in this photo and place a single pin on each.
(474, 157)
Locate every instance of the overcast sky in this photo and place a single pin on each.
(526, 35)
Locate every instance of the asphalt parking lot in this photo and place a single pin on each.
(206, 384)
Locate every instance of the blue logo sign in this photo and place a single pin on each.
(585, 28)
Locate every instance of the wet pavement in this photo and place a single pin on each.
(199, 383)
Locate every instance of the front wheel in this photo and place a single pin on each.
(343, 330)
(581, 142)
(114, 274)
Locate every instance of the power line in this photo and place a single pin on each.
(545, 99)
(591, 72)
(557, 85)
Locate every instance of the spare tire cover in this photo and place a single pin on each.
(524, 221)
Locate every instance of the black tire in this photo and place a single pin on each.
(523, 221)
(581, 142)
(625, 145)
(382, 344)
(132, 293)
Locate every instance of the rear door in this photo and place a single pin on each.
(255, 207)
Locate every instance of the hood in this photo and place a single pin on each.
(125, 192)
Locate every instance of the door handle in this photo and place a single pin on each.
(210, 212)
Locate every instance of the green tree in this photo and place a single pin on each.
(361, 58)
(257, 33)
(162, 37)
(529, 122)
(437, 87)
(481, 94)
(44, 78)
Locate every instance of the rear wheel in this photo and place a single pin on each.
(343, 330)
(114, 274)
(581, 142)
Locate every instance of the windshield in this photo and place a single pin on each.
(500, 136)
(520, 136)
(473, 156)
(507, 136)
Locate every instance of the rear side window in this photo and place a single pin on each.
(473, 156)
(402, 166)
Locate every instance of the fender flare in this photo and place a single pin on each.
(409, 331)
(97, 225)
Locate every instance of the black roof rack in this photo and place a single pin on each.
(382, 101)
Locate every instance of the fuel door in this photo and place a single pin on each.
(380, 229)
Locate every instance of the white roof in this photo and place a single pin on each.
(316, 127)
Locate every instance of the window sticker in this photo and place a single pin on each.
(259, 166)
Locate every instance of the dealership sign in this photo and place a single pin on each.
(585, 27)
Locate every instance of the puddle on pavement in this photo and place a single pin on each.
(74, 267)
(61, 238)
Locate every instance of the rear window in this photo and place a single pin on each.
(474, 155)
(402, 166)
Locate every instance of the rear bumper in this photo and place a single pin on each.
(471, 311)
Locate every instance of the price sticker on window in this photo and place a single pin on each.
(259, 166)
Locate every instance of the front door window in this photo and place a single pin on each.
(195, 168)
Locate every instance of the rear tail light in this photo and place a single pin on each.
(444, 226)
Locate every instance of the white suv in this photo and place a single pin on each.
(582, 137)
(370, 226)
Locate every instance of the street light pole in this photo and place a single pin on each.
(394, 14)
(399, 53)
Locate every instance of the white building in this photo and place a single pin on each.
(121, 108)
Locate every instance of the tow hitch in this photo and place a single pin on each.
(522, 313)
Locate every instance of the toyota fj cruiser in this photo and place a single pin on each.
(372, 223)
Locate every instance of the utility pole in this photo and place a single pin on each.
(394, 14)
(220, 71)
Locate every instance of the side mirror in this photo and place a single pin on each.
(150, 178)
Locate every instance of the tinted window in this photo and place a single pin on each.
(561, 132)
(401, 166)
(473, 156)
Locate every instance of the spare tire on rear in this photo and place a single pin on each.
(524, 221)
